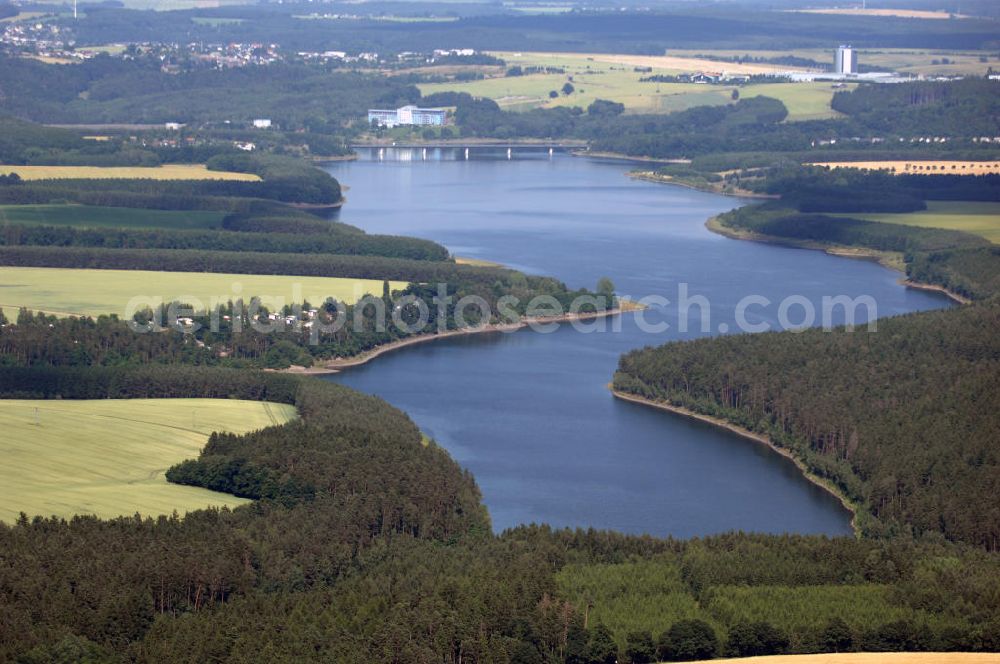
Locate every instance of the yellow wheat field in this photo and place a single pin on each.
(167, 172)
(86, 292)
(108, 457)
(921, 167)
(670, 62)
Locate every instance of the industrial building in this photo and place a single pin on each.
(845, 61)
(407, 115)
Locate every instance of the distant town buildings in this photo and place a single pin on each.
(39, 39)
(262, 123)
(407, 115)
(224, 56)
(845, 60)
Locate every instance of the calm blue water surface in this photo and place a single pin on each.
(530, 414)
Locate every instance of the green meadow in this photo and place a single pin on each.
(804, 101)
(979, 218)
(593, 79)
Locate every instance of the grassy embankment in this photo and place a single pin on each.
(165, 172)
(108, 457)
(68, 291)
(614, 77)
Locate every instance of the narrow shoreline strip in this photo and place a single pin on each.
(335, 366)
(920, 285)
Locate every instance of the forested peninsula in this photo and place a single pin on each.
(901, 420)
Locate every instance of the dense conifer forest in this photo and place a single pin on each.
(782, 224)
(335, 239)
(198, 260)
(818, 189)
(137, 91)
(854, 407)
(367, 542)
(972, 273)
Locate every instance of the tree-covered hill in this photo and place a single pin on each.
(333, 239)
(972, 273)
(493, 27)
(112, 90)
(967, 107)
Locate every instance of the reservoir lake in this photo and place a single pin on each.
(530, 414)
